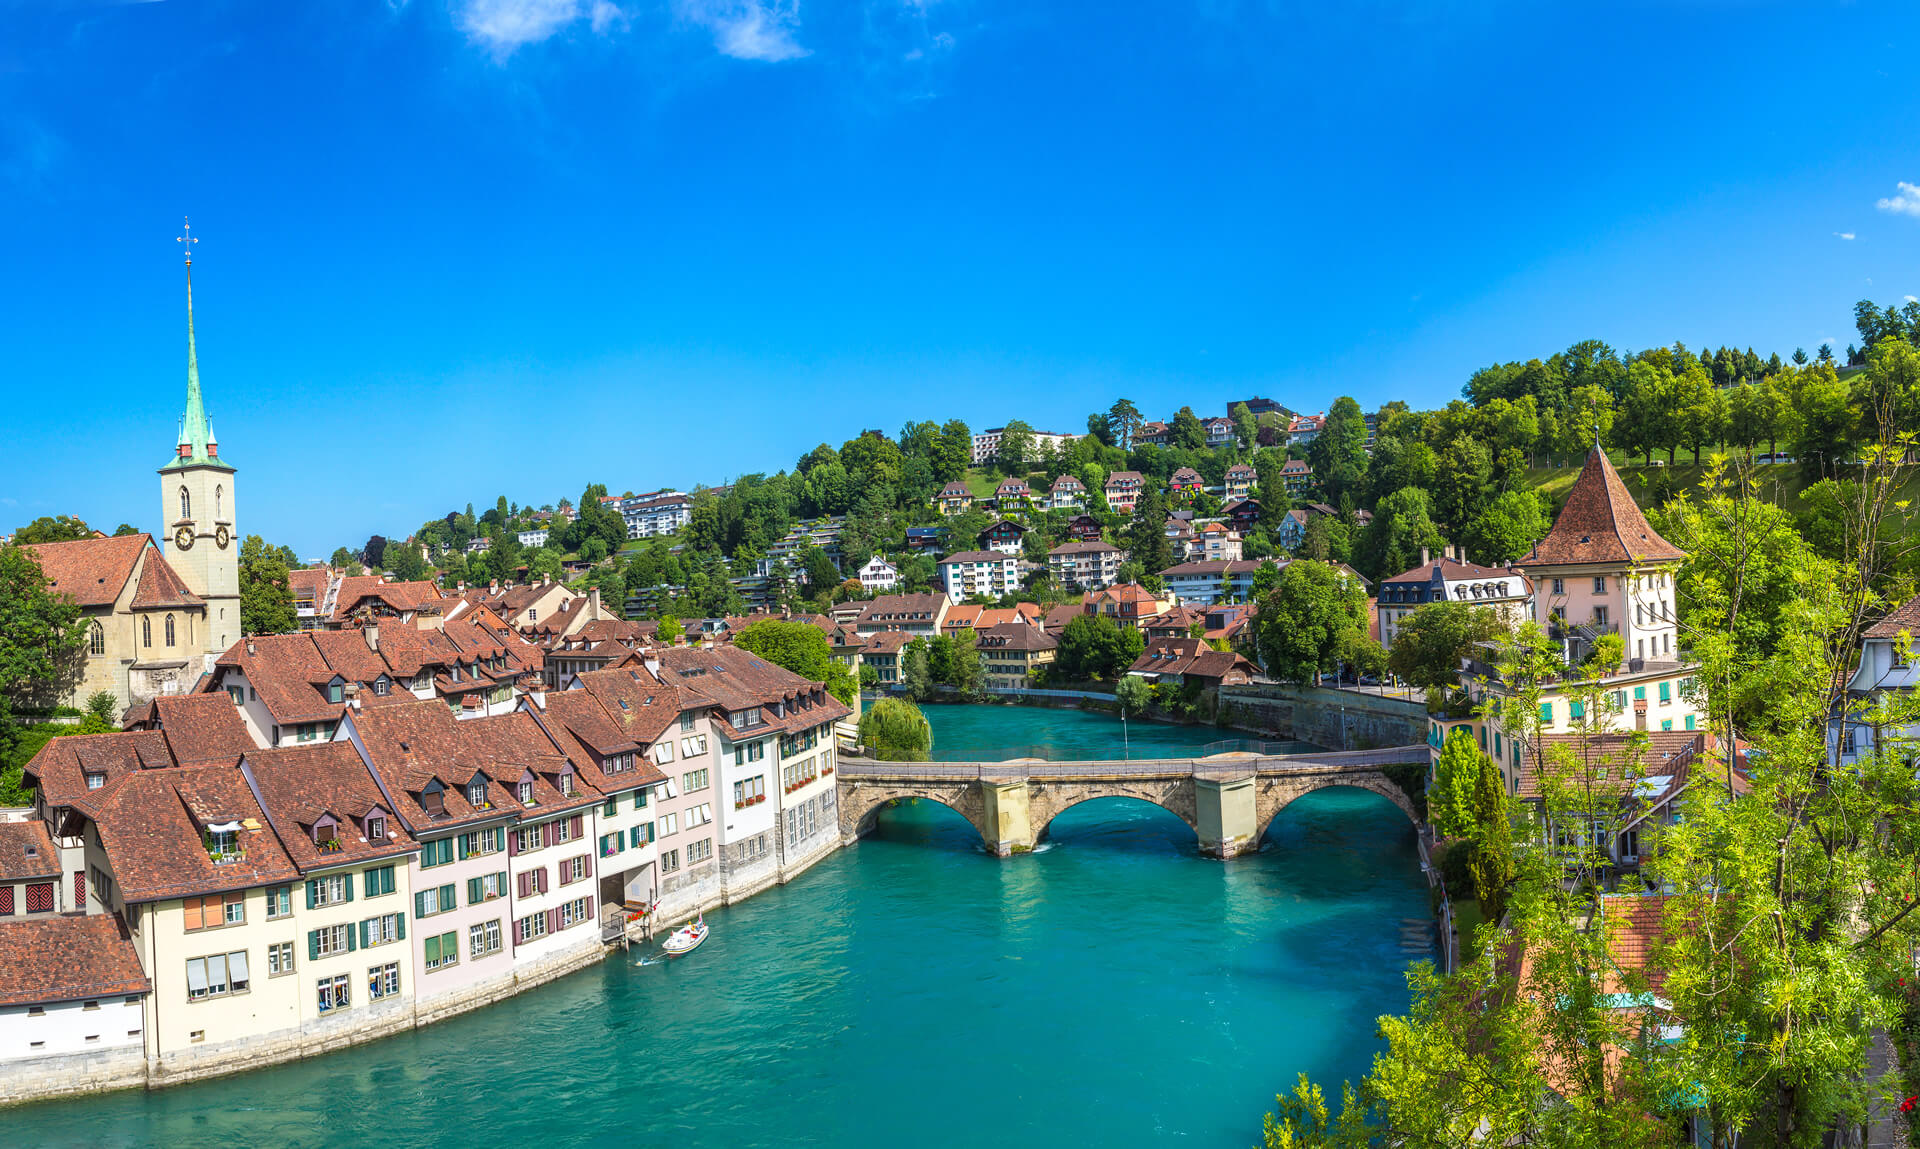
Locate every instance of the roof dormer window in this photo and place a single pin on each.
(566, 784)
(376, 827)
(477, 794)
(95, 780)
(526, 793)
(382, 684)
(334, 692)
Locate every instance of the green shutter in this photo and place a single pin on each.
(400, 927)
(372, 880)
(474, 891)
(1689, 722)
(430, 950)
(420, 904)
(313, 938)
(348, 886)
(447, 899)
(361, 931)
(313, 892)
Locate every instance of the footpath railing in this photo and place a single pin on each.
(1037, 766)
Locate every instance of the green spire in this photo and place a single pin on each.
(196, 434)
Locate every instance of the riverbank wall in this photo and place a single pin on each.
(132, 1067)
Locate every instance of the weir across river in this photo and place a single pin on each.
(1228, 799)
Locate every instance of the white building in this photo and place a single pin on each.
(535, 538)
(1887, 666)
(660, 513)
(1201, 583)
(970, 573)
(1446, 579)
(879, 575)
(986, 443)
(1088, 565)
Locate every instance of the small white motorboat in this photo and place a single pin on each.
(686, 939)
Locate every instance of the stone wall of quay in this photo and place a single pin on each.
(78, 1074)
(1335, 719)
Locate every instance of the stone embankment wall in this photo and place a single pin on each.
(43, 1078)
(1335, 719)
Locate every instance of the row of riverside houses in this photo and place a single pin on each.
(192, 901)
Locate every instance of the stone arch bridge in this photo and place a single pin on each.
(1228, 800)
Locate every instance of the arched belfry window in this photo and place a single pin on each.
(219, 500)
(169, 630)
(186, 504)
(96, 640)
(146, 632)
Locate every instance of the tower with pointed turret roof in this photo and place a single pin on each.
(197, 499)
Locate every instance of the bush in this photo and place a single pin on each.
(894, 730)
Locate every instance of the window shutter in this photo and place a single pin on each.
(447, 900)
(474, 891)
(366, 938)
(577, 824)
(348, 886)
(513, 843)
(502, 878)
(541, 875)
(466, 846)
(589, 908)
(313, 892)
(553, 920)
(520, 883)
(546, 833)
(313, 940)
(353, 935)
(519, 935)
(420, 904)
(400, 927)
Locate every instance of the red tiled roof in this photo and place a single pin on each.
(202, 729)
(1635, 927)
(26, 852)
(61, 767)
(151, 825)
(1907, 619)
(1016, 636)
(1600, 523)
(92, 572)
(160, 586)
(300, 786)
(288, 673)
(67, 958)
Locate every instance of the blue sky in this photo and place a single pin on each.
(458, 248)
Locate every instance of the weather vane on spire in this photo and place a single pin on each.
(189, 239)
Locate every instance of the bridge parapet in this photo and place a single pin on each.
(1227, 799)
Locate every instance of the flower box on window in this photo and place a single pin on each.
(332, 846)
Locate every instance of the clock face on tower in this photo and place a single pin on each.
(221, 537)
(183, 538)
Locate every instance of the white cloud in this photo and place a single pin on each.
(606, 17)
(748, 29)
(1844, 234)
(504, 25)
(1907, 202)
(1913, 299)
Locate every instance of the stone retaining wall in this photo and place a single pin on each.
(71, 1074)
(1335, 719)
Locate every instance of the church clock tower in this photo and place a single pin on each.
(197, 505)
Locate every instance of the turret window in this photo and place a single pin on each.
(186, 504)
(219, 500)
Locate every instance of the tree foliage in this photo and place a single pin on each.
(801, 648)
(1314, 618)
(266, 598)
(894, 730)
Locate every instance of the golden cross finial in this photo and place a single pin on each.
(189, 239)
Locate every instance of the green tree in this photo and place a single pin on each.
(266, 599)
(1125, 420)
(1507, 529)
(953, 453)
(1245, 427)
(1015, 452)
(344, 560)
(1313, 619)
(1133, 694)
(1402, 526)
(894, 730)
(125, 529)
(1464, 484)
(1095, 647)
(1338, 453)
(53, 529)
(1186, 431)
(916, 671)
(801, 648)
(1147, 542)
(1451, 806)
(43, 639)
(1429, 643)
(1825, 422)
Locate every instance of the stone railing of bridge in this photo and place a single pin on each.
(1227, 799)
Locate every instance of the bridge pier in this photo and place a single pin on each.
(1228, 815)
(1008, 819)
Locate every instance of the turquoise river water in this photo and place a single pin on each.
(1114, 988)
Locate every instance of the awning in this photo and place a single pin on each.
(223, 827)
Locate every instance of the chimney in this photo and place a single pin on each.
(249, 644)
(1425, 557)
(372, 635)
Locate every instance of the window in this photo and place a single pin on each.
(279, 902)
(749, 791)
(530, 927)
(1546, 712)
(434, 900)
(217, 976)
(669, 861)
(611, 844)
(700, 815)
(329, 940)
(279, 959)
(169, 625)
(186, 504)
(146, 632)
(1599, 584)
(1666, 692)
(573, 912)
(96, 640)
(700, 851)
(381, 685)
(669, 825)
(334, 993)
(641, 835)
(483, 939)
(741, 720)
(441, 950)
(486, 887)
(477, 794)
(1640, 693)
(686, 721)
(1559, 586)
(383, 930)
(308, 731)
(95, 779)
(237, 695)
(746, 752)
(567, 829)
(436, 853)
(488, 841)
(573, 869)
(383, 981)
(529, 838)
(213, 911)
(663, 752)
(335, 691)
(693, 780)
(525, 791)
(1577, 709)
(379, 880)
(694, 746)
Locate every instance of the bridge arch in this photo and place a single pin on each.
(861, 802)
(1276, 794)
(1046, 809)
